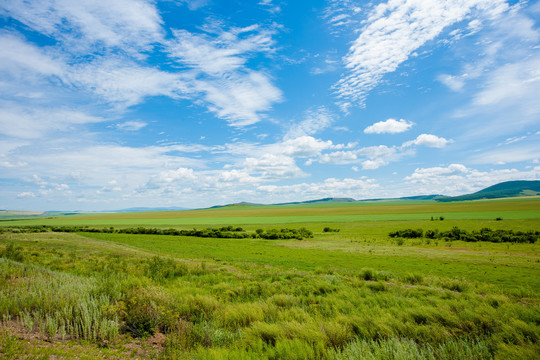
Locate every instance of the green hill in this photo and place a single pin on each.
(501, 190)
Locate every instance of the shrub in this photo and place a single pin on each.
(161, 269)
(407, 233)
(414, 278)
(241, 315)
(338, 335)
(145, 311)
(368, 275)
(13, 252)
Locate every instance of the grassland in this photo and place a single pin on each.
(352, 294)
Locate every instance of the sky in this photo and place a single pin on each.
(109, 105)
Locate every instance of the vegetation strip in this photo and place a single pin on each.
(484, 234)
(225, 232)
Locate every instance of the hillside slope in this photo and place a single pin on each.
(501, 190)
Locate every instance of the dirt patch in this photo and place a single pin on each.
(124, 348)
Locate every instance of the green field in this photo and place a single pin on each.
(352, 294)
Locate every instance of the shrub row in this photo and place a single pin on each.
(484, 234)
(284, 233)
(224, 232)
(407, 233)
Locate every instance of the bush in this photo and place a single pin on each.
(13, 252)
(407, 233)
(146, 310)
(163, 269)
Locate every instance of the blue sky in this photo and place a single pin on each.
(192, 103)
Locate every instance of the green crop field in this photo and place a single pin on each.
(356, 293)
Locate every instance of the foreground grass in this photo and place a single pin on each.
(347, 295)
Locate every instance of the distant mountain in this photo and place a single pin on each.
(329, 200)
(243, 203)
(416, 197)
(501, 190)
(146, 209)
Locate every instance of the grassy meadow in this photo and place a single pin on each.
(355, 293)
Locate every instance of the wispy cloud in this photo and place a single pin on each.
(342, 15)
(392, 32)
(195, 4)
(131, 125)
(515, 85)
(18, 58)
(120, 36)
(35, 122)
(123, 82)
(217, 61)
(315, 120)
(508, 154)
(129, 25)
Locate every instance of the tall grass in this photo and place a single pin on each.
(55, 304)
(233, 309)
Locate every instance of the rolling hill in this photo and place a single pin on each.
(501, 190)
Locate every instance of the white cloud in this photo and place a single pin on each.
(339, 158)
(379, 156)
(303, 146)
(270, 6)
(18, 57)
(119, 36)
(428, 140)
(95, 165)
(217, 63)
(315, 120)
(218, 55)
(238, 177)
(131, 25)
(428, 174)
(195, 4)
(131, 125)
(342, 15)
(124, 83)
(175, 175)
(331, 187)
(270, 166)
(239, 98)
(26, 194)
(370, 158)
(34, 122)
(514, 86)
(455, 83)
(390, 126)
(457, 179)
(392, 32)
(501, 77)
(112, 186)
